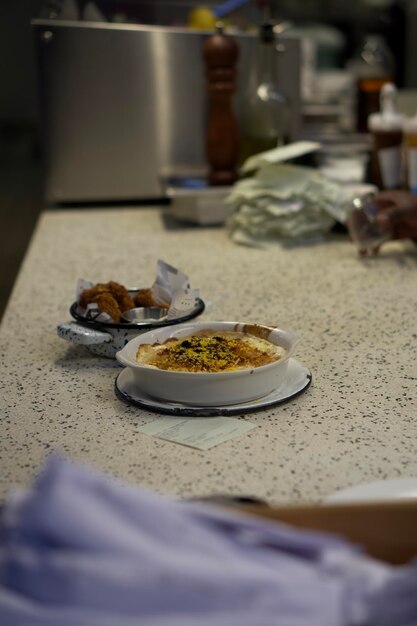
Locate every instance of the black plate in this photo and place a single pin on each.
(199, 308)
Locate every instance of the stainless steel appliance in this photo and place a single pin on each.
(124, 105)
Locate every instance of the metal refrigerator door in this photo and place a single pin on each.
(123, 105)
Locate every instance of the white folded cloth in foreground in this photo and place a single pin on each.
(80, 549)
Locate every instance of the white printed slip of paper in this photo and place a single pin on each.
(202, 433)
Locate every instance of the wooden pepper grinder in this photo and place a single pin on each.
(220, 53)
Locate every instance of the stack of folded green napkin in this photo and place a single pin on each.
(285, 203)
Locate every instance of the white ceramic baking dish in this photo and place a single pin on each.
(205, 388)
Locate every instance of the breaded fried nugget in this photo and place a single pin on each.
(107, 304)
(144, 297)
(121, 295)
(88, 294)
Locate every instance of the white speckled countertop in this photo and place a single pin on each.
(357, 318)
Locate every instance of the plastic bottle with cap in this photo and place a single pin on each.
(410, 145)
(373, 66)
(386, 128)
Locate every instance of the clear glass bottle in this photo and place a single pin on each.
(264, 109)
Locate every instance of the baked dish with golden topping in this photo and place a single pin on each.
(209, 363)
(216, 352)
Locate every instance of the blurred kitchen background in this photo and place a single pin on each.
(104, 102)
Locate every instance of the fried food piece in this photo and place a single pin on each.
(113, 298)
(107, 304)
(88, 294)
(144, 297)
(121, 295)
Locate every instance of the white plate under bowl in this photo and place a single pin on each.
(210, 388)
(378, 491)
(298, 379)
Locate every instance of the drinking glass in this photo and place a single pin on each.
(364, 229)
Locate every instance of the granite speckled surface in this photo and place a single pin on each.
(357, 319)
